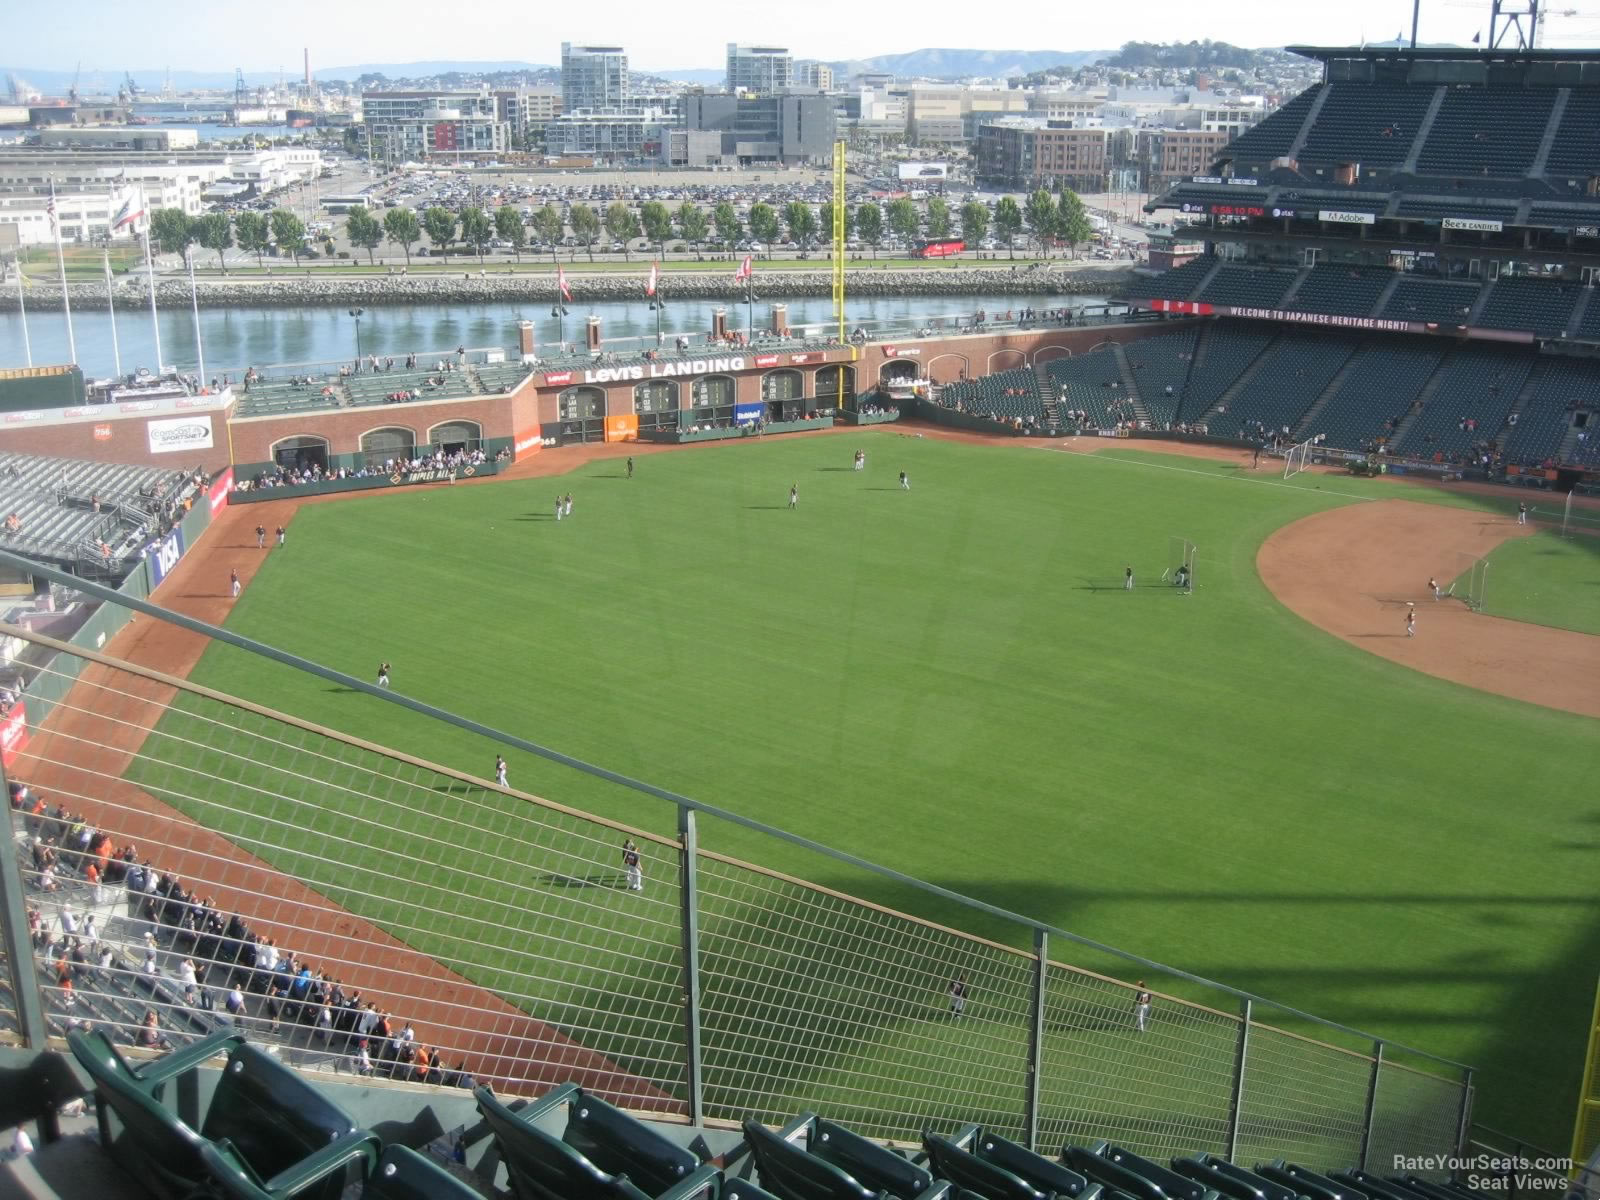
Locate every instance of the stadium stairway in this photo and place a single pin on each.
(1480, 303)
(1568, 452)
(1557, 110)
(1525, 396)
(1206, 282)
(1310, 121)
(1303, 425)
(1386, 295)
(1581, 308)
(1130, 386)
(1242, 382)
(1049, 397)
(1423, 130)
(1423, 399)
(1294, 288)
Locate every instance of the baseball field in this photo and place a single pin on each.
(953, 681)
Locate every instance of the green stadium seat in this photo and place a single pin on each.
(1036, 1169)
(1306, 1182)
(1112, 1174)
(604, 1154)
(1230, 1179)
(872, 1164)
(1173, 1184)
(1372, 1185)
(265, 1124)
(401, 1174)
(790, 1173)
(976, 1175)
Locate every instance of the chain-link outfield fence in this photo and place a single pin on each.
(240, 865)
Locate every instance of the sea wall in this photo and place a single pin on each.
(322, 286)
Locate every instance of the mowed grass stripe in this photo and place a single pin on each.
(951, 682)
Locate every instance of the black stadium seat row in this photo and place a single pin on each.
(266, 1132)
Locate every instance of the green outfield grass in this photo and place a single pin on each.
(1547, 579)
(952, 682)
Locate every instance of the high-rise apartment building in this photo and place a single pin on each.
(767, 70)
(593, 77)
(808, 73)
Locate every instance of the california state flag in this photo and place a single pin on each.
(561, 282)
(744, 272)
(650, 284)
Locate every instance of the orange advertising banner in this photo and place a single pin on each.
(526, 443)
(624, 427)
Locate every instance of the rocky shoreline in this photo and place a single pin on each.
(470, 287)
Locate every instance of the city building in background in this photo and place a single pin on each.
(1026, 153)
(808, 73)
(763, 70)
(525, 111)
(789, 130)
(593, 77)
(419, 125)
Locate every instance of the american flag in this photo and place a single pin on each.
(561, 282)
(50, 206)
(650, 287)
(745, 270)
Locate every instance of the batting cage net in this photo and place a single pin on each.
(215, 853)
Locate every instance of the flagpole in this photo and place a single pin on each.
(111, 307)
(22, 311)
(194, 305)
(150, 276)
(61, 266)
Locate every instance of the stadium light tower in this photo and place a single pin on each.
(1514, 24)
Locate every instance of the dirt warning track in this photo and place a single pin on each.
(1353, 571)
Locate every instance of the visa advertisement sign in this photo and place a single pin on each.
(164, 555)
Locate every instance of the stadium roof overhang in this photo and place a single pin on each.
(1327, 54)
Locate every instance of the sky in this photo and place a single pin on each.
(185, 35)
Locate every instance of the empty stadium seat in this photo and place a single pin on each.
(1221, 356)
(1275, 136)
(264, 1121)
(1477, 382)
(1230, 1179)
(1372, 124)
(603, 1152)
(400, 1174)
(984, 1162)
(1562, 387)
(814, 1159)
(1248, 287)
(1431, 301)
(1341, 290)
(1575, 151)
(1487, 131)
(1180, 282)
(1308, 1183)
(1297, 371)
(1372, 1186)
(1132, 1175)
(1158, 364)
(1092, 383)
(1541, 306)
(1379, 387)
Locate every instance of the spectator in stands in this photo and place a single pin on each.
(150, 1035)
(235, 1002)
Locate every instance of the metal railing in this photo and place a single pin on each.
(512, 934)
